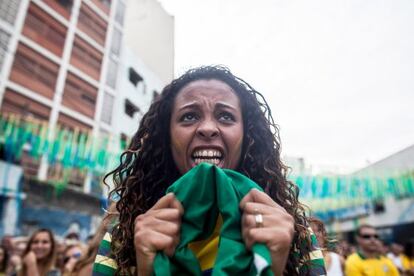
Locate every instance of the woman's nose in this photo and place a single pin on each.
(207, 129)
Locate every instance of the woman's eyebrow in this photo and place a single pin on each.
(189, 105)
(226, 105)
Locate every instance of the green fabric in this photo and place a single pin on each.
(205, 192)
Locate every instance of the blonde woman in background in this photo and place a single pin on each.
(39, 257)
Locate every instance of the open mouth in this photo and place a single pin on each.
(211, 156)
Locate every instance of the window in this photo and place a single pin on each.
(130, 108)
(16, 103)
(120, 13)
(92, 24)
(107, 106)
(31, 68)
(134, 77)
(43, 29)
(83, 54)
(8, 10)
(106, 2)
(80, 96)
(112, 73)
(4, 42)
(155, 95)
(71, 123)
(67, 4)
(116, 42)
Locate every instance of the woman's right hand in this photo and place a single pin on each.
(157, 230)
(31, 264)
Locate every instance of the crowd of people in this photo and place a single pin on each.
(202, 190)
(368, 256)
(43, 254)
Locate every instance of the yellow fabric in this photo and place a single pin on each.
(406, 262)
(105, 261)
(356, 266)
(206, 250)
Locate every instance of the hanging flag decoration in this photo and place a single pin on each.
(69, 151)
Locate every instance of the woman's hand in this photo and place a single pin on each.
(276, 229)
(31, 264)
(157, 230)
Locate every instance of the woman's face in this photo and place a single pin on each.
(41, 245)
(206, 126)
(318, 233)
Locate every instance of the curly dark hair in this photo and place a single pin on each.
(147, 168)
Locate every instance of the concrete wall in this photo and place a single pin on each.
(140, 95)
(149, 32)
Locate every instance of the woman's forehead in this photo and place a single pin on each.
(207, 88)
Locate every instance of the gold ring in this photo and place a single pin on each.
(258, 218)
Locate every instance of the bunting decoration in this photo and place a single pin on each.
(67, 150)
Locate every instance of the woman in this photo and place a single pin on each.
(40, 255)
(71, 256)
(85, 264)
(335, 263)
(206, 115)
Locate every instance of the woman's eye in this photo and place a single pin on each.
(188, 117)
(227, 117)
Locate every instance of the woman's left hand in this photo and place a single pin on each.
(276, 229)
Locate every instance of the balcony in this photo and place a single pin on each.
(80, 96)
(34, 71)
(104, 5)
(86, 58)
(92, 24)
(72, 124)
(44, 30)
(63, 7)
(16, 103)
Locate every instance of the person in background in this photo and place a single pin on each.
(334, 262)
(40, 255)
(344, 248)
(400, 260)
(4, 258)
(409, 252)
(383, 248)
(71, 256)
(85, 264)
(367, 261)
(17, 247)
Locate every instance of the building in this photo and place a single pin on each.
(137, 88)
(60, 64)
(393, 215)
(149, 33)
(64, 62)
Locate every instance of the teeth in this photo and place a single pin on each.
(207, 153)
(213, 161)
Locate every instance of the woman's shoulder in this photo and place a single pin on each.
(104, 263)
